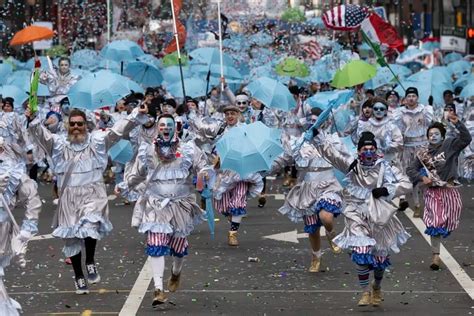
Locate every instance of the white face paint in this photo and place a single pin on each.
(166, 128)
(242, 101)
(379, 110)
(435, 137)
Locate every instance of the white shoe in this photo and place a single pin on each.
(55, 201)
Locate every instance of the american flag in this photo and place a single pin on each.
(313, 50)
(345, 17)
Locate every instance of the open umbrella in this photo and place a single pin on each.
(148, 58)
(144, 73)
(171, 74)
(452, 57)
(272, 93)
(429, 82)
(22, 79)
(122, 50)
(207, 56)
(325, 100)
(5, 70)
(353, 73)
(31, 34)
(411, 54)
(195, 87)
(468, 91)
(260, 39)
(121, 152)
(101, 89)
(292, 67)
(18, 94)
(85, 59)
(249, 148)
(460, 68)
(384, 76)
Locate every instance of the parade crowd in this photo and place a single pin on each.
(394, 153)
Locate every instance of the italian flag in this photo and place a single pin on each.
(382, 33)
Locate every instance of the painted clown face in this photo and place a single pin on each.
(166, 128)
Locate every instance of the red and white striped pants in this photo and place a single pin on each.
(178, 244)
(442, 208)
(233, 199)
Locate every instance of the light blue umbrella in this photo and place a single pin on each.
(272, 93)
(195, 87)
(411, 54)
(122, 50)
(85, 59)
(429, 82)
(330, 99)
(22, 79)
(171, 74)
(18, 94)
(260, 39)
(30, 64)
(101, 89)
(207, 56)
(249, 148)
(464, 81)
(80, 72)
(460, 68)
(452, 57)
(468, 91)
(400, 71)
(382, 77)
(121, 152)
(5, 71)
(110, 65)
(148, 58)
(207, 195)
(262, 71)
(144, 73)
(230, 73)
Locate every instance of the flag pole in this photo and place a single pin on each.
(380, 58)
(178, 50)
(220, 42)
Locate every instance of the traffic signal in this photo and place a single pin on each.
(470, 33)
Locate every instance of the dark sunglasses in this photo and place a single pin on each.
(242, 103)
(379, 109)
(74, 123)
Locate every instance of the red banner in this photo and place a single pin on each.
(181, 30)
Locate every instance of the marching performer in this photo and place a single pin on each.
(166, 210)
(438, 163)
(16, 189)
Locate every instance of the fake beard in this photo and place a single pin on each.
(76, 139)
(166, 150)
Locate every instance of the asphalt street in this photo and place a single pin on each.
(220, 280)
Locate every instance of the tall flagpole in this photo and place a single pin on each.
(178, 50)
(220, 42)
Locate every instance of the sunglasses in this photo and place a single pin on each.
(242, 103)
(381, 109)
(76, 123)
